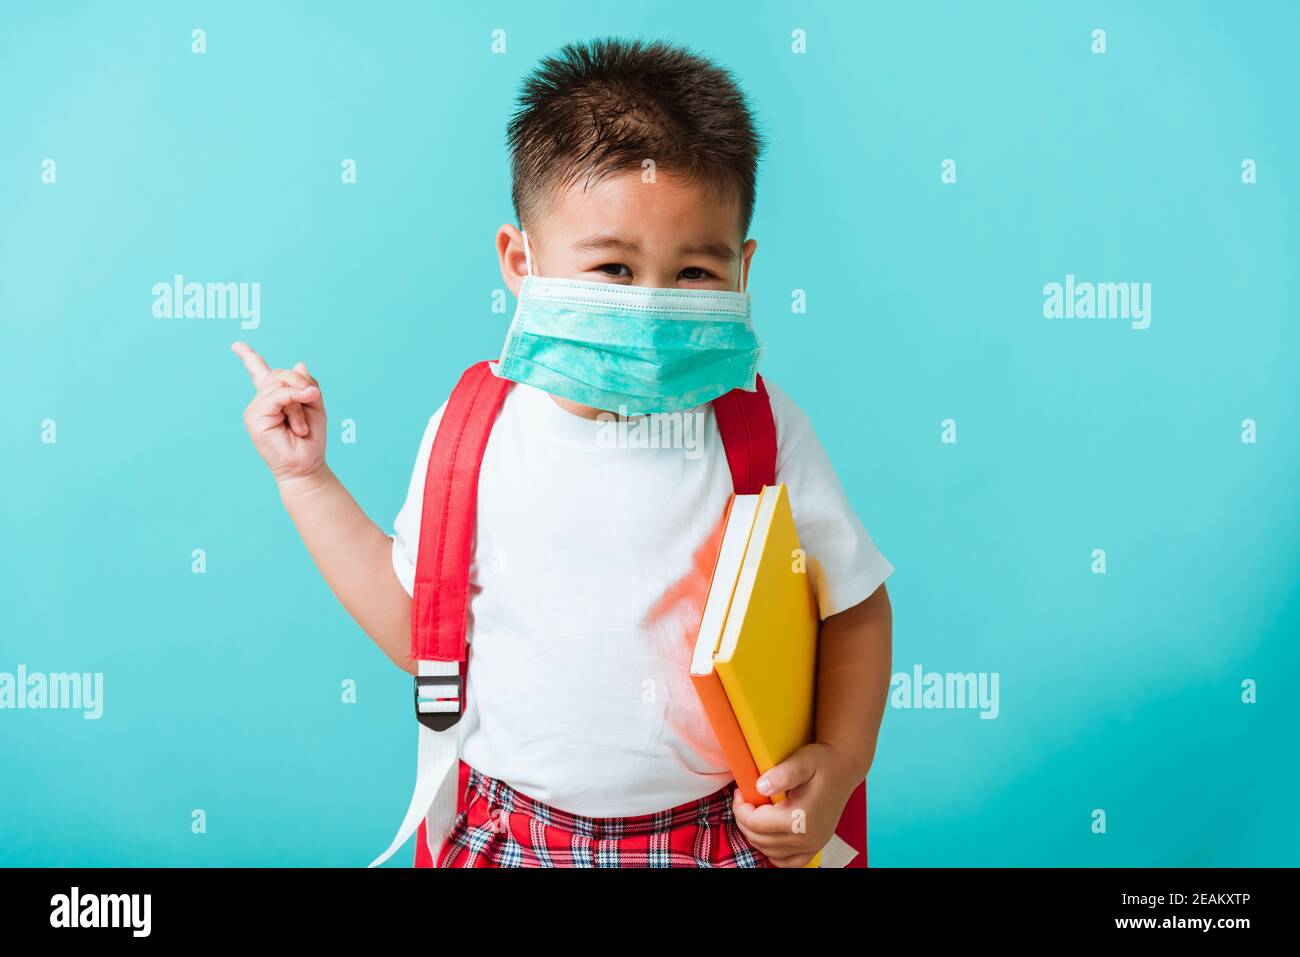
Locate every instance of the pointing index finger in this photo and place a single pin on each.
(255, 364)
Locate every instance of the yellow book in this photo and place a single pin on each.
(767, 657)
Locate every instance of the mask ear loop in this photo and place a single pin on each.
(742, 270)
(528, 256)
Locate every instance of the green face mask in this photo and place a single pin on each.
(629, 349)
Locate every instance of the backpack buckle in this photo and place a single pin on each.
(439, 700)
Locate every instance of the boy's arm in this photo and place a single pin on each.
(286, 421)
(855, 657)
(354, 557)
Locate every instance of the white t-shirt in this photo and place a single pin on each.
(591, 558)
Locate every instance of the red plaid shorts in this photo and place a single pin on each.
(501, 827)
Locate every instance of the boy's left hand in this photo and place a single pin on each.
(817, 780)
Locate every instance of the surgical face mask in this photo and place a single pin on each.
(629, 349)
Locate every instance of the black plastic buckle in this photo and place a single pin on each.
(439, 720)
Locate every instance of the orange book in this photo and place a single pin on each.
(726, 571)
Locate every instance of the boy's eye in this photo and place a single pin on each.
(612, 269)
(695, 273)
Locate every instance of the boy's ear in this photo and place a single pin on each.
(510, 252)
(746, 258)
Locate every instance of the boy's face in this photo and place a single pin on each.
(672, 233)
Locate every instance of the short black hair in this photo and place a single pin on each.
(606, 105)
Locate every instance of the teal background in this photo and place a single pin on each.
(1120, 692)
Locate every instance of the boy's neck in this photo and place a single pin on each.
(577, 408)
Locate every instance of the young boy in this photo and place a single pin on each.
(634, 166)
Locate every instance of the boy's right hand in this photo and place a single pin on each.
(286, 419)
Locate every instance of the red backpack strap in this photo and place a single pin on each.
(852, 828)
(447, 521)
(439, 604)
(748, 437)
(748, 433)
